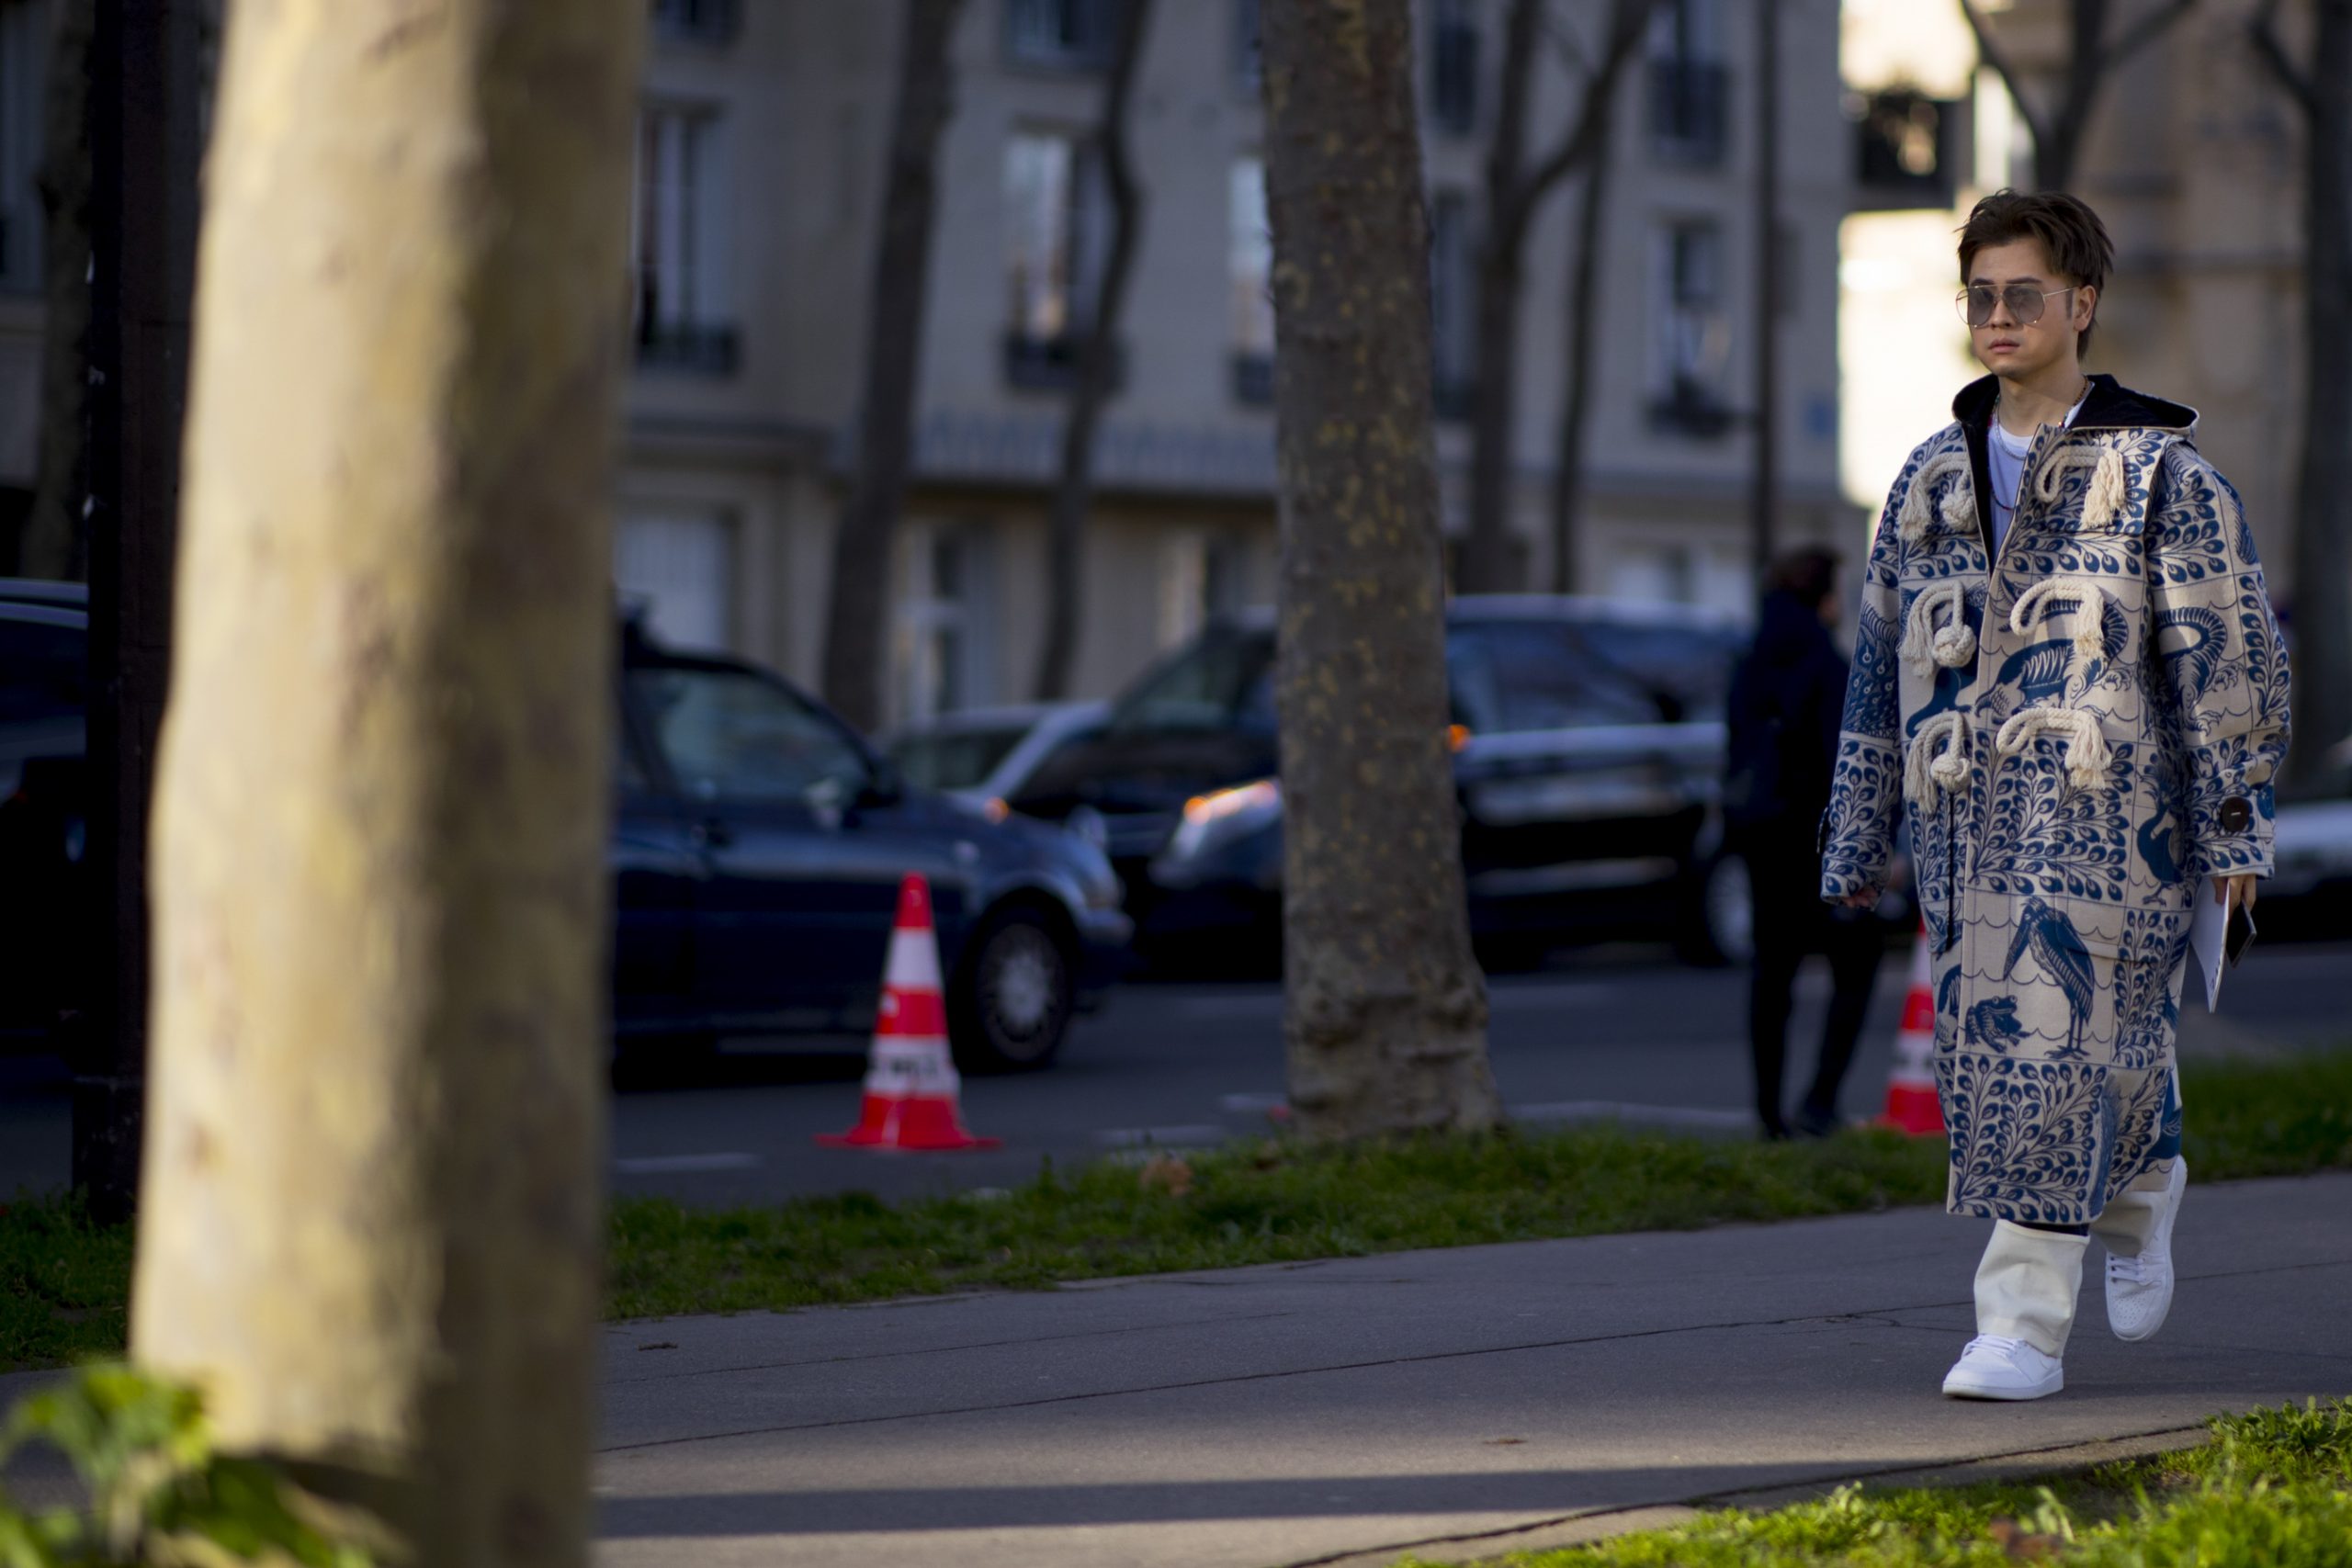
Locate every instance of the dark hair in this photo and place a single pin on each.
(2069, 232)
(1809, 573)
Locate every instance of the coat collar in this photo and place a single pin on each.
(2111, 406)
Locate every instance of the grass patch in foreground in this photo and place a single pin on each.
(2273, 1489)
(64, 1283)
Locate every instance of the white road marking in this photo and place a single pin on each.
(675, 1165)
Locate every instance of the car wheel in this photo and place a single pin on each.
(1720, 926)
(1014, 996)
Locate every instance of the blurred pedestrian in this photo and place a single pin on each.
(1786, 697)
(2069, 680)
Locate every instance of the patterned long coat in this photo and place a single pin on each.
(2078, 734)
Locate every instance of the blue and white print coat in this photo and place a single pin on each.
(2078, 734)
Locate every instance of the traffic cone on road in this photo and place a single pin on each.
(912, 1092)
(1911, 1103)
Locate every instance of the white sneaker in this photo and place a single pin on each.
(1997, 1368)
(2139, 1290)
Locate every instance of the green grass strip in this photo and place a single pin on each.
(63, 1283)
(2272, 1489)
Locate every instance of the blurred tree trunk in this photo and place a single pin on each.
(1515, 192)
(53, 542)
(2321, 619)
(1576, 398)
(371, 1218)
(2091, 55)
(858, 618)
(1098, 368)
(1386, 1008)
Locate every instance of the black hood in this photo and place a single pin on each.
(2111, 406)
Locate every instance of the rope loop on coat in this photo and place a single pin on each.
(2091, 601)
(1938, 759)
(2087, 754)
(1960, 504)
(1927, 644)
(2103, 503)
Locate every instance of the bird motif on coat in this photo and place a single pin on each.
(1993, 1024)
(2037, 672)
(1948, 993)
(2058, 949)
(2160, 846)
(2193, 638)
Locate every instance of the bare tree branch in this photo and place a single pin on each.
(1573, 59)
(1627, 21)
(1998, 58)
(2151, 28)
(2263, 29)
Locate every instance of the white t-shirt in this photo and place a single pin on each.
(2004, 458)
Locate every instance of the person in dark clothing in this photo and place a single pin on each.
(1787, 698)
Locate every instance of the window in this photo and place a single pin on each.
(1453, 65)
(943, 621)
(1249, 62)
(1070, 35)
(955, 759)
(42, 677)
(1689, 87)
(696, 21)
(682, 321)
(1250, 263)
(1454, 325)
(679, 566)
(23, 45)
(1905, 154)
(731, 735)
(1054, 212)
(1222, 681)
(1692, 341)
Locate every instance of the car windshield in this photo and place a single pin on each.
(954, 759)
(1567, 675)
(1224, 680)
(41, 671)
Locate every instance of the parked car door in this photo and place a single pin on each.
(658, 869)
(783, 801)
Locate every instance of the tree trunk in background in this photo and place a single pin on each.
(1576, 402)
(371, 1215)
(858, 617)
(1491, 562)
(2321, 619)
(1098, 366)
(53, 542)
(1386, 1011)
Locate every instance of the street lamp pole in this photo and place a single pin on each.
(1763, 495)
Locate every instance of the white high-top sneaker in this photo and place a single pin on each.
(2026, 1288)
(2139, 1286)
(1996, 1367)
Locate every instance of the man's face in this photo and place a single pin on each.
(2018, 350)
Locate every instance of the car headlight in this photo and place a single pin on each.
(1213, 821)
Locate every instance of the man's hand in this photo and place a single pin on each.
(1866, 899)
(2235, 892)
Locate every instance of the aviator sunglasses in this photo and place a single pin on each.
(1976, 302)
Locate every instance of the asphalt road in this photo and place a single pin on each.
(1607, 1031)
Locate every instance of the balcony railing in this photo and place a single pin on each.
(699, 348)
(1906, 149)
(1692, 408)
(697, 21)
(1067, 35)
(1050, 364)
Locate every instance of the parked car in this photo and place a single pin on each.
(44, 640)
(1590, 741)
(989, 754)
(756, 852)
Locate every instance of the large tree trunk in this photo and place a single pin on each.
(858, 617)
(52, 543)
(1386, 1008)
(371, 1214)
(1569, 481)
(1097, 369)
(2322, 606)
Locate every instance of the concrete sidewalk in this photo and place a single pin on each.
(1463, 1403)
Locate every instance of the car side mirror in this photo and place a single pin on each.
(885, 785)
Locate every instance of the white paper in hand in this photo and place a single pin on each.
(2209, 926)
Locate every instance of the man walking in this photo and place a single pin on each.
(2068, 677)
(1785, 701)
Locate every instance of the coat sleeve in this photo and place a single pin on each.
(1866, 784)
(2221, 664)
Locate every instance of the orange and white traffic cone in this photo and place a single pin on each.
(1911, 1103)
(911, 1088)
